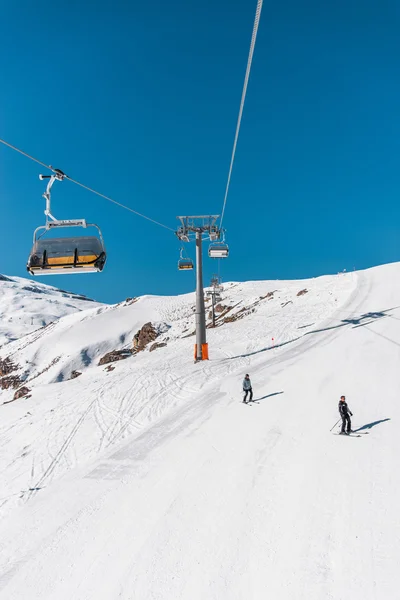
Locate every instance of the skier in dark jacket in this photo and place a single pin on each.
(247, 388)
(345, 413)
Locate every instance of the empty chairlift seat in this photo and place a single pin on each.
(84, 254)
(218, 250)
(185, 264)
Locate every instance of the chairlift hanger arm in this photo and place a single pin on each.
(56, 175)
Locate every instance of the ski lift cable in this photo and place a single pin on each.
(39, 162)
(246, 80)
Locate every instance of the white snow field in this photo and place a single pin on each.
(26, 305)
(154, 480)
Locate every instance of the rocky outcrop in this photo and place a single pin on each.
(283, 304)
(268, 296)
(113, 356)
(6, 366)
(148, 333)
(22, 393)
(10, 382)
(75, 374)
(302, 292)
(243, 312)
(219, 308)
(157, 345)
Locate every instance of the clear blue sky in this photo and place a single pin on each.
(140, 99)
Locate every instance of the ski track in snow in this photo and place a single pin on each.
(156, 482)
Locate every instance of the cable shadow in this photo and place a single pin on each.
(267, 396)
(370, 425)
(361, 321)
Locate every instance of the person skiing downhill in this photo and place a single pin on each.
(247, 389)
(345, 413)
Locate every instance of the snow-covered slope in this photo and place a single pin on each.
(155, 481)
(27, 305)
(252, 315)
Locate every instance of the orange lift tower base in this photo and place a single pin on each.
(204, 352)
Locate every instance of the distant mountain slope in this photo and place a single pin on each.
(26, 305)
(259, 312)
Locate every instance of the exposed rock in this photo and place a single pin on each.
(11, 381)
(268, 296)
(21, 393)
(114, 355)
(243, 312)
(157, 345)
(6, 366)
(109, 368)
(144, 336)
(219, 308)
(302, 292)
(75, 374)
(286, 303)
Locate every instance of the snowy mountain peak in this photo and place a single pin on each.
(27, 305)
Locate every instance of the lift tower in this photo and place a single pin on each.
(194, 227)
(215, 294)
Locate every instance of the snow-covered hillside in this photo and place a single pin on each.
(26, 305)
(153, 480)
(78, 341)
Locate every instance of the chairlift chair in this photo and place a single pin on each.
(69, 255)
(218, 250)
(184, 264)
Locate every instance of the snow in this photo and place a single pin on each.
(26, 305)
(154, 481)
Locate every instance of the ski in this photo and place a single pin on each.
(348, 434)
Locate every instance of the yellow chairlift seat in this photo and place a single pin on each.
(185, 264)
(71, 255)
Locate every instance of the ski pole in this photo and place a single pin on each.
(335, 424)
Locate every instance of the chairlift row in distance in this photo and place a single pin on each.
(215, 250)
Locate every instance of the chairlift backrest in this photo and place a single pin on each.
(52, 256)
(185, 264)
(218, 250)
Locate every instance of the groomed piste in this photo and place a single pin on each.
(154, 481)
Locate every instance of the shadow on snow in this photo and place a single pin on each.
(267, 396)
(355, 322)
(370, 425)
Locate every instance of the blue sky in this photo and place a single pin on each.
(140, 99)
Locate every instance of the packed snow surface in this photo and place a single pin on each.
(154, 480)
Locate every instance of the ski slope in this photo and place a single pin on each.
(154, 481)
